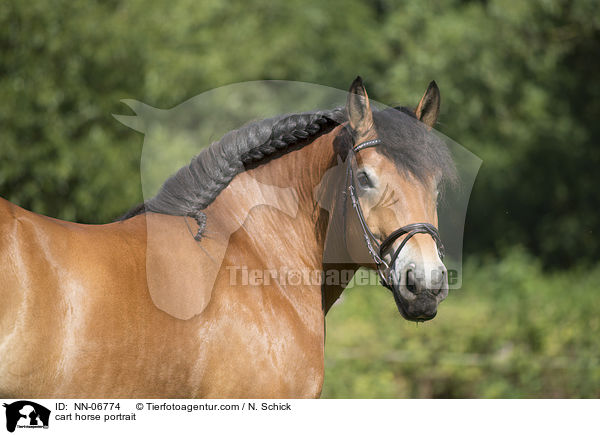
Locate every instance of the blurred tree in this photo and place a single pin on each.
(516, 89)
(62, 72)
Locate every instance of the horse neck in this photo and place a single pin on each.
(272, 212)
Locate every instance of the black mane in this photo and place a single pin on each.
(194, 187)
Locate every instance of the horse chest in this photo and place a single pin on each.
(259, 355)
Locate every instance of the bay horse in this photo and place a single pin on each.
(77, 318)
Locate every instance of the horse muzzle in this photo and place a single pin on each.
(418, 290)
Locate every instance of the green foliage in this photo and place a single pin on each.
(511, 331)
(62, 154)
(516, 79)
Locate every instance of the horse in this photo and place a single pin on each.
(77, 317)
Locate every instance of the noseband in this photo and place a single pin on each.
(376, 249)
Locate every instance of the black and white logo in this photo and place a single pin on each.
(24, 414)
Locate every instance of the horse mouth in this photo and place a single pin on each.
(405, 310)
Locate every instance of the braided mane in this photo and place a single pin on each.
(406, 141)
(195, 186)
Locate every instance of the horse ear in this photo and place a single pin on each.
(358, 108)
(429, 107)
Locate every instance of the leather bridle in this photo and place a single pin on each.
(376, 249)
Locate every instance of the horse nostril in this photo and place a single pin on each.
(411, 284)
(437, 280)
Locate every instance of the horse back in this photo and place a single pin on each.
(52, 275)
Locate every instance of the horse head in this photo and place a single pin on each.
(398, 166)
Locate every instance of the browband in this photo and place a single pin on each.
(367, 144)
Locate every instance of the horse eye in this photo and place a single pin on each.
(364, 180)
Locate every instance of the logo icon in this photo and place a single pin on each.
(26, 414)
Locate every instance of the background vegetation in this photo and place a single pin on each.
(520, 89)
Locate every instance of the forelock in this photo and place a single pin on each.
(412, 146)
